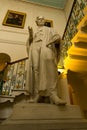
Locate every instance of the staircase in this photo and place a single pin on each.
(41, 116)
(76, 64)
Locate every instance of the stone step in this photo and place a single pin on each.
(40, 116)
(45, 111)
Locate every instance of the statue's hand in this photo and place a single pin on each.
(30, 31)
(30, 34)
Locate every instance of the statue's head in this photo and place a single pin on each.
(40, 21)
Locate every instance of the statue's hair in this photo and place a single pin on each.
(40, 17)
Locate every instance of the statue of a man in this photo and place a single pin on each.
(44, 54)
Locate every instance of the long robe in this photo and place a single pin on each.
(42, 67)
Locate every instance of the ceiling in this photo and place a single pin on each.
(59, 4)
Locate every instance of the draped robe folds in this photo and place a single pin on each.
(47, 78)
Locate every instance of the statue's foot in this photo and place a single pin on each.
(36, 98)
(56, 100)
(61, 102)
(33, 99)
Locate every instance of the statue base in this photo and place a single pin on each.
(41, 116)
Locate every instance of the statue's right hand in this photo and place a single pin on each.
(30, 34)
(30, 30)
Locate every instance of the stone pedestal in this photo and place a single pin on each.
(7, 102)
(6, 106)
(40, 116)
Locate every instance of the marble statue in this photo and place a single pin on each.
(44, 53)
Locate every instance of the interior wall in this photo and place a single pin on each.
(68, 8)
(17, 36)
(32, 11)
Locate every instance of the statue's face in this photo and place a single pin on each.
(40, 21)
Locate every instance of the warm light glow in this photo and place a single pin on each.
(80, 36)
